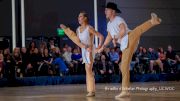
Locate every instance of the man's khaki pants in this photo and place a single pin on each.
(127, 54)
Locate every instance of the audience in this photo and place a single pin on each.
(46, 59)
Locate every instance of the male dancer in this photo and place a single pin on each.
(118, 31)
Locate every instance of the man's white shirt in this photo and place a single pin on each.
(114, 30)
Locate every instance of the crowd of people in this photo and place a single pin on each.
(47, 59)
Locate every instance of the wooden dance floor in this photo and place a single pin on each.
(148, 91)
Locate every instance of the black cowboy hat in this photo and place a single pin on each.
(113, 6)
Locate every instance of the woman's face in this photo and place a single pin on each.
(6, 51)
(57, 50)
(36, 51)
(161, 49)
(45, 51)
(32, 44)
(144, 50)
(81, 18)
(16, 54)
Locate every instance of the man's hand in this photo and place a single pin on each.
(99, 50)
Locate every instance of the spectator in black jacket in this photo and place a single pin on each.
(171, 58)
(154, 60)
(25, 58)
(33, 63)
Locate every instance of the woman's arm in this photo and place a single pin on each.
(99, 35)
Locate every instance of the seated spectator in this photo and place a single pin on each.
(33, 63)
(2, 65)
(170, 55)
(105, 67)
(178, 63)
(45, 67)
(51, 44)
(61, 68)
(139, 51)
(114, 58)
(96, 61)
(31, 47)
(154, 60)
(77, 61)
(65, 47)
(24, 56)
(144, 60)
(67, 58)
(106, 53)
(43, 45)
(18, 62)
(162, 57)
(10, 65)
(134, 62)
(117, 49)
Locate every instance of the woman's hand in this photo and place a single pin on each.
(89, 49)
(62, 26)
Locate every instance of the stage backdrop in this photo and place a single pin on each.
(44, 16)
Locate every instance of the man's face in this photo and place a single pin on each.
(109, 12)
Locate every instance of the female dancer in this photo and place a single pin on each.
(85, 39)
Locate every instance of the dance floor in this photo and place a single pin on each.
(147, 91)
